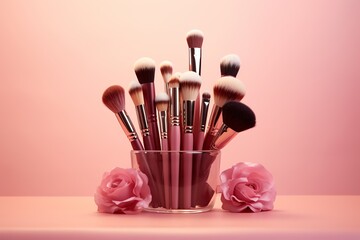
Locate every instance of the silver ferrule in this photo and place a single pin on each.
(223, 137)
(214, 119)
(141, 116)
(127, 125)
(195, 60)
(174, 106)
(163, 124)
(205, 103)
(189, 107)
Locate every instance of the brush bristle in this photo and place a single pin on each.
(238, 116)
(145, 70)
(230, 65)
(162, 101)
(114, 98)
(195, 38)
(174, 81)
(166, 70)
(228, 89)
(206, 95)
(136, 93)
(190, 83)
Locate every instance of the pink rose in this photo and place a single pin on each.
(247, 186)
(123, 191)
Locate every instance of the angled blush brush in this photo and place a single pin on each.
(230, 65)
(145, 73)
(114, 99)
(194, 39)
(237, 117)
(190, 83)
(226, 89)
(162, 103)
(175, 138)
(166, 69)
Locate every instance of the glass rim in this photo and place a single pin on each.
(176, 151)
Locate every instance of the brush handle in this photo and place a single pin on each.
(166, 172)
(149, 99)
(197, 124)
(196, 167)
(175, 165)
(215, 118)
(187, 169)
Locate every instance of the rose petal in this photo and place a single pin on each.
(247, 186)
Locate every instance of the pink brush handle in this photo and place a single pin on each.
(196, 167)
(187, 169)
(196, 128)
(175, 165)
(166, 172)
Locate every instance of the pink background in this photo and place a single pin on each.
(300, 62)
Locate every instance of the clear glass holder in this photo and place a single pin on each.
(180, 181)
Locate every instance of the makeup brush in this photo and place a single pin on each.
(145, 73)
(195, 40)
(114, 98)
(226, 89)
(162, 103)
(166, 70)
(205, 103)
(230, 65)
(136, 94)
(237, 117)
(175, 137)
(190, 83)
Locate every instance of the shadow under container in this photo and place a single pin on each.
(180, 181)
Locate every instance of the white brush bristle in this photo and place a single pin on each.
(174, 81)
(136, 93)
(230, 59)
(162, 101)
(144, 63)
(166, 70)
(195, 38)
(228, 89)
(190, 83)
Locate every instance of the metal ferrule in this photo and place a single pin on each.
(223, 137)
(174, 106)
(163, 124)
(214, 119)
(205, 103)
(189, 107)
(127, 125)
(195, 60)
(141, 116)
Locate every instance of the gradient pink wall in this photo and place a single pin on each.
(300, 62)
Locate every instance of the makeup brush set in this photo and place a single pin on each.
(178, 150)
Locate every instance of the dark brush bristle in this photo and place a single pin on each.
(114, 98)
(145, 70)
(195, 38)
(238, 116)
(206, 95)
(230, 65)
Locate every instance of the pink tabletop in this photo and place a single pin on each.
(294, 217)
